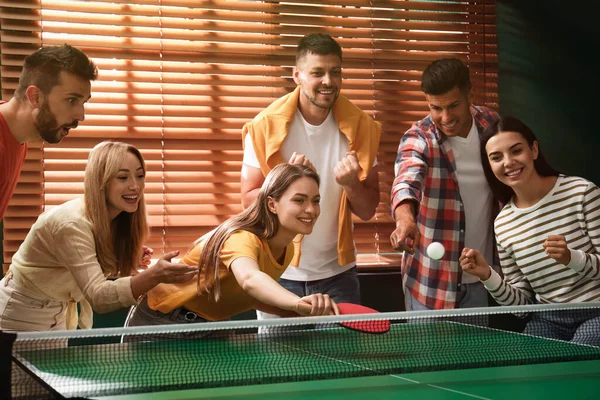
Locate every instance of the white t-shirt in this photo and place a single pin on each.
(325, 146)
(476, 195)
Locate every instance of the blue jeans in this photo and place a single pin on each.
(342, 288)
(577, 326)
(470, 295)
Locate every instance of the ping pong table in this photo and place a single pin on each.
(572, 380)
(426, 361)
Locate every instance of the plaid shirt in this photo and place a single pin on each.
(426, 173)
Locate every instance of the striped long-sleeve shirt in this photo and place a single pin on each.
(571, 209)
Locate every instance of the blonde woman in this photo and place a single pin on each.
(241, 260)
(87, 251)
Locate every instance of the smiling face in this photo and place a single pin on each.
(450, 112)
(511, 159)
(298, 208)
(63, 108)
(320, 80)
(127, 187)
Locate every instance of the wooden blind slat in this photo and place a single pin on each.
(179, 78)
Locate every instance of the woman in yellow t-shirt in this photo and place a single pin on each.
(241, 260)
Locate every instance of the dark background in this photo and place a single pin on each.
(549, 78)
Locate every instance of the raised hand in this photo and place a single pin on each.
(347, 169)
(301, 159)
(556, 247)
(473, 262)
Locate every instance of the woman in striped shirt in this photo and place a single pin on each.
(547, 234)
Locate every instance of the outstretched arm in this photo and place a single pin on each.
(267, 291)
(76, 250)
(406, 236)
(164, 271)
(410, 168)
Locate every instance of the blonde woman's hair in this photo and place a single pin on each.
(256, 219)
(118, 241)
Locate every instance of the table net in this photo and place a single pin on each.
(115, 361)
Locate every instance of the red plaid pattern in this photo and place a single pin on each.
(426, 173)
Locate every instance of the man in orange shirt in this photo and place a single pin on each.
(48, 102)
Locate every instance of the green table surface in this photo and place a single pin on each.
(411, 359)
(567, 380)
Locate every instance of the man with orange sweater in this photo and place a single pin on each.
(316, 125)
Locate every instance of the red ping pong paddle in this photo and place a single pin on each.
(380, 326)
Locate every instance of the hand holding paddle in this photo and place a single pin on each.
(316, 304)
(320, 304)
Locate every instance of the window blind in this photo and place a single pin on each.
(178, 79)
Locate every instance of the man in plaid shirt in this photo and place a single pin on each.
(440, 193)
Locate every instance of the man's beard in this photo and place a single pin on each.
(325, 106)
(47, 125)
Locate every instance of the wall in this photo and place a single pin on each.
(547, 78)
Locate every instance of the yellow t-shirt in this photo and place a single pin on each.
(167, 297)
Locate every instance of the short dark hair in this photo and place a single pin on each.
(43, 68)
(443, 75)
(503, 192)
(318, 43)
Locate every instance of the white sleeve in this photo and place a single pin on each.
(588, 264)
(76, 250)
(250, 158)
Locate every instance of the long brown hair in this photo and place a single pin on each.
(118, 241)
(256, 219)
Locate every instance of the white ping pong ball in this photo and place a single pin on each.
(435, 250)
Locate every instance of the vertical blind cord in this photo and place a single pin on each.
(43, 155)
(162, 135)
(374, 114)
